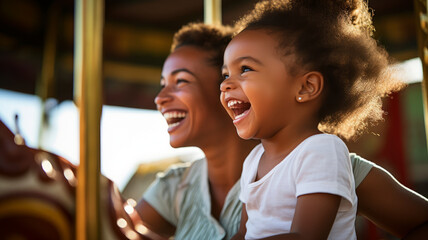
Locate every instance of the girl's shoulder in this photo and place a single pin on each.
(322, 140)
(323, 136)
(322, 146)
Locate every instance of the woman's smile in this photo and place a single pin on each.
(174, 118)
(186, 100)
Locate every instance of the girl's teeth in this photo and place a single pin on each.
(240, 115)
(231, 103)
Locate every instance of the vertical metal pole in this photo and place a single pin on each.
(422, 32)
(45, 85)
(89, 21)
(425, 74)
(212, 12)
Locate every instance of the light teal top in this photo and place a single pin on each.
(181, 196)
(360, 167)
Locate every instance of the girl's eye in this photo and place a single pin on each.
(245, 69)
(225, 76)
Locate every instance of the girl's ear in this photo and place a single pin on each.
(311, 86)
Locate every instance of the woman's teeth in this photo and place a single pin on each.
(173, 124)
(174, 118)
(170, 115)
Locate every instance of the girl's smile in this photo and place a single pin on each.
(240, 109)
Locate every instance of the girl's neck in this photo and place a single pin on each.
(280, 145)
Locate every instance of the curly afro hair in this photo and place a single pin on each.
(212, 38)
(333, 37)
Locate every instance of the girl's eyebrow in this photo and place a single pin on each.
(176, 71)
(240, 59)
(249, 58)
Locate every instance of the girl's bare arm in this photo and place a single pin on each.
(313, 218)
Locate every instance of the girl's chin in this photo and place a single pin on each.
(244, 135)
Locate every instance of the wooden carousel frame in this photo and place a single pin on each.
(89, 21)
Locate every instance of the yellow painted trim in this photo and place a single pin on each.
(38, 208)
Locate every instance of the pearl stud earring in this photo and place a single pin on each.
(299, 98)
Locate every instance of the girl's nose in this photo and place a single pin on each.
(227, 84)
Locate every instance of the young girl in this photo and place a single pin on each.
(298, 73)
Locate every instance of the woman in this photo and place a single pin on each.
(200, 200)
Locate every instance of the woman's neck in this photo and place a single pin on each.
(225, 161)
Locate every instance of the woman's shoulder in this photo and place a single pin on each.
(182, 170)
(360, 161)
(360, 168)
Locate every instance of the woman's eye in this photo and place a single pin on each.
(245, 69)
(180, 80)
(225, 76)
(162, 84)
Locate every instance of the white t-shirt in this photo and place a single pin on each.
(319, 164)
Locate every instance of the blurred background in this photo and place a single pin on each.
(36, 83)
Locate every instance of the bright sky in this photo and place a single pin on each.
(128, 136)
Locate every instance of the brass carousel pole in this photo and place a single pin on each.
(212, 12)
(422, 33)
(89, 21)
(45, 85)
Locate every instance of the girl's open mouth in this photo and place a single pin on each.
(239, 108)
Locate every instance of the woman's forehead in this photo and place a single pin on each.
(192, 59)
(187, 56)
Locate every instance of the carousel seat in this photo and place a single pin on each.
(37, 197)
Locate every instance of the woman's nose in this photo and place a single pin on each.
(162, 97)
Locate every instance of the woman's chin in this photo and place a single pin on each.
(176, 142)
